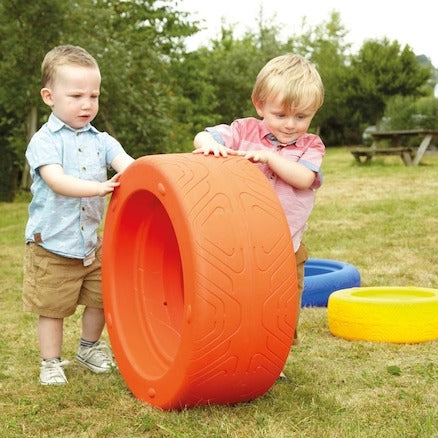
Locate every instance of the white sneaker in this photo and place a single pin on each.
(97, 358)
(52, 372)
(282, 376)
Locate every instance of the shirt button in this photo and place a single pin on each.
(83, 208)
(82, 228)
(83, 168)
(80, 149)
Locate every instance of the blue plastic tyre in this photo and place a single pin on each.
(322, 277)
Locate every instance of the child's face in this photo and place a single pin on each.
(286, 126)
(74, 94)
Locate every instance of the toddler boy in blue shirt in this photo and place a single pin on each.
(68, 161)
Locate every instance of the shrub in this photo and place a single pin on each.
(409, 113)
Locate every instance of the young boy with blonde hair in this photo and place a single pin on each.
(287, 94)
(68, 161)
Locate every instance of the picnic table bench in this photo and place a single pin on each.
(411, 155)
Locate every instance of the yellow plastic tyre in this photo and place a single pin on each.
(384, 314)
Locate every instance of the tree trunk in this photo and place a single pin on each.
(31, 129)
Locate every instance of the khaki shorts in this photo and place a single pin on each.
(53, 286)
(301, 258)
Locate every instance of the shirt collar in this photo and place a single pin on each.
(55, 124)
(270, 136)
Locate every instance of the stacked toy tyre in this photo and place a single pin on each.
(323, 276)
(197, 262)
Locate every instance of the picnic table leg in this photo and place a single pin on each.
(422, 149)
(407, 158)
(368, 158)
(357, 158)
(362, 157)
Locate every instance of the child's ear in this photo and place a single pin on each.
(259, 107)
(46, 95)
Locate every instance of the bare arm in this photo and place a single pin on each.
(67, 185)
(121, 162)
(291, 172)
(205, 144)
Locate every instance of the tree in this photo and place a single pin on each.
(26, 30)
(407, 112)
(230, 65)
(133, 41)
(324, 45)
(135, 44)
(217, 81)
(194, 83)
(379, 71)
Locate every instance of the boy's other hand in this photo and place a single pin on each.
(108, 186)
(260, 156)
(217, 150)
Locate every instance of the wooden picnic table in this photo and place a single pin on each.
(411, 155)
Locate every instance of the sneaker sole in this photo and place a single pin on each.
(53, 384)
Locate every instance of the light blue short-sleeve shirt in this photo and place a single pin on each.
(64, 225)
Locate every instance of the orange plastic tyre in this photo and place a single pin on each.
(385, 314)
(197, 267)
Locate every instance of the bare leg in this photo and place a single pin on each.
(93, 322)
(50, 332)
(96, 356)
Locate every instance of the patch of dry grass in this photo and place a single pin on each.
(382, 218)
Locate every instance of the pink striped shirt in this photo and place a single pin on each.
(252, 134)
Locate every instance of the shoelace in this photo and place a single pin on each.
(101, 351)
(52, 368)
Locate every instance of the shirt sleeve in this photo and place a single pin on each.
(112, 147)
(312, 159)
(228, 135)
(42, 151)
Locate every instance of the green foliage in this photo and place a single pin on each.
(233, 62)
(398, 113)
(195, 85)
(10, 160)
(155, 96)
(217, 82)
(134, 46)
(427, 109)
(132, 41)
(9, 173)
(411, 113)
(324, 45)
(26, 30)
(382, 70)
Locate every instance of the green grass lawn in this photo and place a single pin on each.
(382, 218)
